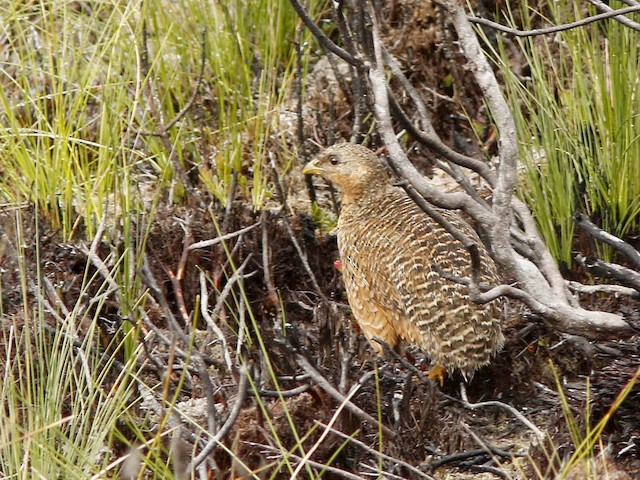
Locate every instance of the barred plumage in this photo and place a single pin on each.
(388, 247)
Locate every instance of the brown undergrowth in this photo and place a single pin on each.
(429, 425)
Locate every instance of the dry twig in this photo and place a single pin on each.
(620, 245)
(556, 28)
(229, 422)
(323, 383)
(493, 403)
(377, 453)
(312, 463)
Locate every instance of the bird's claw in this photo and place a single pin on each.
(437, 373)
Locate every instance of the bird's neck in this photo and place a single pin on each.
(365, 193)
(365, 188)
(352, 196)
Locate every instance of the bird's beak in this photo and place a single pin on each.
(312, 168)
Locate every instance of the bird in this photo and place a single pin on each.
(391, 252)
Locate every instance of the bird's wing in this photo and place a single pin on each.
(376, 273)
(454, 330)
(432, 302)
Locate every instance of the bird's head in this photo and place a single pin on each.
(353, 168)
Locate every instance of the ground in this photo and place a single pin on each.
(430, 428)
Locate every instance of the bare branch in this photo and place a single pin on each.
(223, 238)
(620, 274)
(231, 419)
(511, 231)
(431, 140)
(615, 289)
(327, 387)
(322, 38)
(204, 304)
(603, 7)
(195, 355)
(620, 245)
(503, 199)
(397, 157)
(377, 453)
(292, 456)
(294, 392)
(544, 262)
(558, 28)
(459, 457)
(359, 99)
(473, 406)
(426, 134)
(508, 148)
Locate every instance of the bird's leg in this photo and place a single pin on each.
(437, 373)
(393, 353)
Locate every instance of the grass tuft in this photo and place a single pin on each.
(90, 94)
(577, 118)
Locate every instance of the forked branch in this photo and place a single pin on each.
(511, 232)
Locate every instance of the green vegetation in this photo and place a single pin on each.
(86, 86)
(577, 118)
(588, 458)
(97, 128)
(61, 397)
(58, 415)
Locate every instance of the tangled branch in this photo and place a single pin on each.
(510, 229)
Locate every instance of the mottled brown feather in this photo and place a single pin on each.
(388, 247)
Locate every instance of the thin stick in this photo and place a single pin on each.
(603, 7)
(325, 433)
(197, 358)
(375, 452)
(614, 289)
(494, 403)
(321, 37)
(327, 387)
(620, 245)
(312, 463)
(223, 238)
(557, 28)
(231, 419)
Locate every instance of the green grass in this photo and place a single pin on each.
(82, 89)
(61, 397)
(577, 119)
(85, 89)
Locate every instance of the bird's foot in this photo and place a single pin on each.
(437, 373)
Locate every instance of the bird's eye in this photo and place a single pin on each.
(334, 160)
